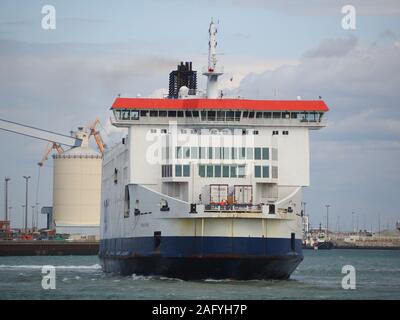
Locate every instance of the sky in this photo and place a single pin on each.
(64, 78)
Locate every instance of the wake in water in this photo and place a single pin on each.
(16, 267)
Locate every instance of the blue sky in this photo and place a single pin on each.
(64, 78)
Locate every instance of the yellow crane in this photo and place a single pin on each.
(49, 148)
(96, 134)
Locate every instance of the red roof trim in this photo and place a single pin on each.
(230, 104)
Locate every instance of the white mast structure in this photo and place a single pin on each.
(212, 73)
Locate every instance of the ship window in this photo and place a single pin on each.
(251, 114)
(195, 114)
(237, 115)
(178, 170)
(233, 172)
(275, 133)
(245, 114)
(286, 115)
(178, 152)
(265, 153)
(241, 171)
(202, 171)
(162, 113)
(210, 152)
(225, 171)
(276, 115)
(230, 116)
(203, 115)
(234, 153)
(202, 153)
(217, 171)
(171, 113)
(194, 152)
(211, 115)
(265, 171)
(226, 153)
(257, 153)
(188, 114)
(242, 153)
(186, 170)
(144, 113)
(134, 115)
(164, 131)
(285, 133)
(180, 114)
(210, 171)
(255, 132)
(153, 113)
(217, 153)
(259, 115)
(249, 153)
(274, 172)
(257, 171)
(293, 115)
(220, 115)
(186, 152)
(267, 115)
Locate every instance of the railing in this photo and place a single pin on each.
(232, 208)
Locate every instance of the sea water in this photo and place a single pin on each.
(319, 276)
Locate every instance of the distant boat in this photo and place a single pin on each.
(398, 225)
(322, 242)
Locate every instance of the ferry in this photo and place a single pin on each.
(206, 186)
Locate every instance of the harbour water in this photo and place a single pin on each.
(318, 277)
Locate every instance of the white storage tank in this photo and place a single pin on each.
(77, 189)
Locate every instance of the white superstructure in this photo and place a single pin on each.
(207, 186)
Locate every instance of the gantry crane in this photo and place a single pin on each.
(96, 134)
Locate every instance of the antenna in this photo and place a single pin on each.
(212, 73)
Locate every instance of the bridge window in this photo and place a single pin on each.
(202, 171)
(210, 171)
(257, 171)
(178, 170)
(265, 153)
(172, 114)
(162, 113)
(217, 171)
(257, 153)
(225, 171)
(265, 171)
(186, 170)
(154, 113)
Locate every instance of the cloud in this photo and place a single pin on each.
(354, 159)
(332, 47)
(326, 7)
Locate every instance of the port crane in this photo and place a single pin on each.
(41, 134)
(96, 134)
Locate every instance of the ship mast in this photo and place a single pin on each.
(212, 73)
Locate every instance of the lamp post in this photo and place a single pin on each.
(6, 179)
(327, 219)
(26, 202)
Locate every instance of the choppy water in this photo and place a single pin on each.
(318, 277)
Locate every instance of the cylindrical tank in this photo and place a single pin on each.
(76, 191)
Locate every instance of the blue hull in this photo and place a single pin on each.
(202, 257)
